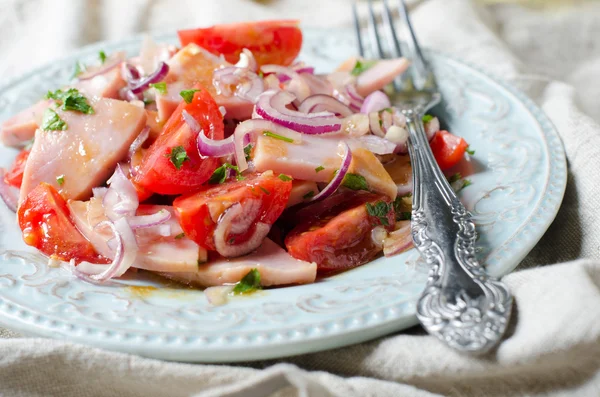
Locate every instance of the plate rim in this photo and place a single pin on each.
(550, 203)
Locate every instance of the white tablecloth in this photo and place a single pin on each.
(553, 345)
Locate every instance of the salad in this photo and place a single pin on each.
(224, 161)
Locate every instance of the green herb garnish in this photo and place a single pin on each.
(469, 150)
(427, 118)
(355, 182)
(454, 178)
(265, 190)
(319, 168)
(360, 66)
(161, 88)
(220, 174)
(249, 283)
(71, 99)
(308, 195)
(177, 156)
(102, 56)
(180, 236)
(380, 210)
(285, 178)
(52, 122)
(277, 136)
(188, 95)
(60, 180)
(79, 68)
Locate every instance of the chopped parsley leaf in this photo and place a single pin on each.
(380, 211)
(188, 95)
(360, 66)
(247, 151)
(454, 178)
(285, 178)
(177, 156)
(389, 110)
(79, 68)
(71, 99)
(308, 195)
(249, 283)
(102, 56)
(160, 87)
(60, 180)
(427, 118)
(261, 74)
(52, 122)
(470, 151)
(319, 168)
(148, 101)
(355, 182)
(220, 175)
(265, 190)
(277, 136)
(180, 236)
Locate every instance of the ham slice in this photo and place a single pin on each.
(194, 65)
(21, 127)
(85, 154)
(315, 159)
(156, 252)
(301, 191)
(106, 85)
(380, 75)
(275, 265)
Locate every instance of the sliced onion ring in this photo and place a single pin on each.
(125, 254)
(247, 60)
(208, 147)
(224, 227)
(121, 198)
(248, 85)
(375, 102)
(8, 193)
(324, 103)
(377, 144)
(159, 74)
(272, 106)
(130, 73)
(110, 63)
(339, 177)
(138, 142)
(145, 221)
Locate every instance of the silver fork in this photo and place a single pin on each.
(461, 304)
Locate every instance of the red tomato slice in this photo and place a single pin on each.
(45, 221)
(158, 173)
(199, 212)
(448, 149)
(14, 176)
(338, 237)
(271, 42)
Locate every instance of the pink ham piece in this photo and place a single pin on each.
(106, 85)
(275, 265)
(156, 252)
(21, 127)
(194, 65)
(85, 154)
(301, 191)
(316, 159)
(381, 74)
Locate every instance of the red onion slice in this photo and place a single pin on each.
(121, 198)
(324, 103)
(273, 106)
(339, 177)
(225, 226)
(375, 102)
(296, 85)
(110, 63)
(130, 73)
(209, 147)
(318, 84)
(377, 145)
(247, 60)
(9, 194)
(158, 75)
(138, 142)
(145, 221)
(125, 254)
(248, 85)
(399, 240)
(375, 125)
(431, 128)
(252, 126)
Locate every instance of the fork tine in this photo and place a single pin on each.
(391, 30)
(418, 60)
(361, 48)
(373, 30)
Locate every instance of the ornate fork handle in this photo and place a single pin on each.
(461, 304)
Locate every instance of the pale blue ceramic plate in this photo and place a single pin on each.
(518, 176)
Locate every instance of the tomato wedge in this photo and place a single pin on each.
(337, 236)
(14, 176)
(263, 197)
(271, 42)
(448, 149)
(172, 164)
(46, 224)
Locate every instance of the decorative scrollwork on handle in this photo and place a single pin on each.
(461, 304)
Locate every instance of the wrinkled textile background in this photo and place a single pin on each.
(553, 346)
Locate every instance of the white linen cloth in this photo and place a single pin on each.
(553, 344)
